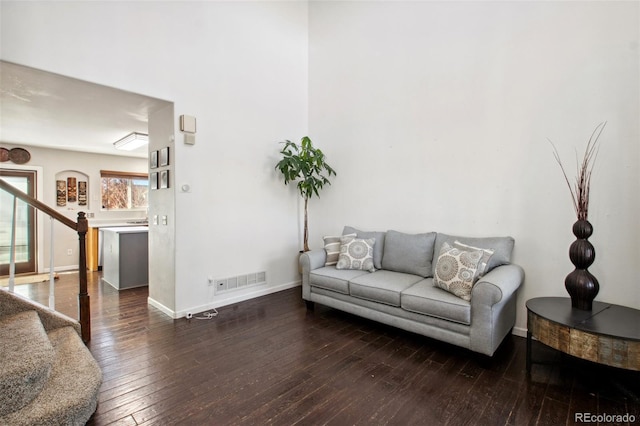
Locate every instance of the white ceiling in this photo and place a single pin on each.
(39, 108)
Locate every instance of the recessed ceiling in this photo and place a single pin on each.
(39, 108)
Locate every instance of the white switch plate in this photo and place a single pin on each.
(189, 138)
(164, 219)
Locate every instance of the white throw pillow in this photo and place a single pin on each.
(332, 247)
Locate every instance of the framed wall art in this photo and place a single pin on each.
(82, 193)
(72, 189)
(61, 193)
(164, 179)
(153, 160)
(153, 180)
(163, 159)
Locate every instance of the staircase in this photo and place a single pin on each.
(47, 374)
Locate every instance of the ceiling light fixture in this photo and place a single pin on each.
(132, 141)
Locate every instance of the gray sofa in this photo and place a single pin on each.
(400, 291)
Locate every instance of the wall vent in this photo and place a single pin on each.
(239, 282)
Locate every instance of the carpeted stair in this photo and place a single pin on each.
(47, 374)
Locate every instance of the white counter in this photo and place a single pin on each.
(110, 223)
(126, 229)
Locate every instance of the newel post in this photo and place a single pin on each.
(83, 295)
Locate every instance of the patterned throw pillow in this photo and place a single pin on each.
(356, 253)
(482, 265)
(332, 247)
(456, 270)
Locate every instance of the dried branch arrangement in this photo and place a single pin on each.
(580, 188)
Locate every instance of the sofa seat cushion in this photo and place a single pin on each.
(424, 298)
(333, 279)
(382, 286)
(377, 311)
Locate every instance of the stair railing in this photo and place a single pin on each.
(81, 227)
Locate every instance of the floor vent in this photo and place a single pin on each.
(240, 281)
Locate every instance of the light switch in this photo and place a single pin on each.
(155, 219)
(164, 219)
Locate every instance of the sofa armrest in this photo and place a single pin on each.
(313, 259)
(309, 261)
(493, 307)
(499, 284)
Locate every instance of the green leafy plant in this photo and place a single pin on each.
(306, 165)
(582, 185)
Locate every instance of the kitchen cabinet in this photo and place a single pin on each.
(94, 238)
(126, 256)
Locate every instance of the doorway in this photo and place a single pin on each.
(25, 250)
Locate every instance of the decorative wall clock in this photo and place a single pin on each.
(19, 155)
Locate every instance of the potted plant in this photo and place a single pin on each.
(306, 165)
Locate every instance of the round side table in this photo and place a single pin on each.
(608, 334)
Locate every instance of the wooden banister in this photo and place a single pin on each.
(37, 204)
(81, 227)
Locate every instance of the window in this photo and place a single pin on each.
(124, 190)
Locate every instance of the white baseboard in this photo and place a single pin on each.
(519, 331)
(60, 269)
(163, 308)
(257, 292)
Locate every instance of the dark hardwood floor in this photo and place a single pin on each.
(269, 360)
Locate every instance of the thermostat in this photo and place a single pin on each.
(187, 124)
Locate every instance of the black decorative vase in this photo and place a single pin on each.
(581, 285)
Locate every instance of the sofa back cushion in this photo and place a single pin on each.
(409, 253)
(501, 246)
(378, 247)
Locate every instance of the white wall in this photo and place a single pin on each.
(162, 202)
(436, 117)
(241, 69)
